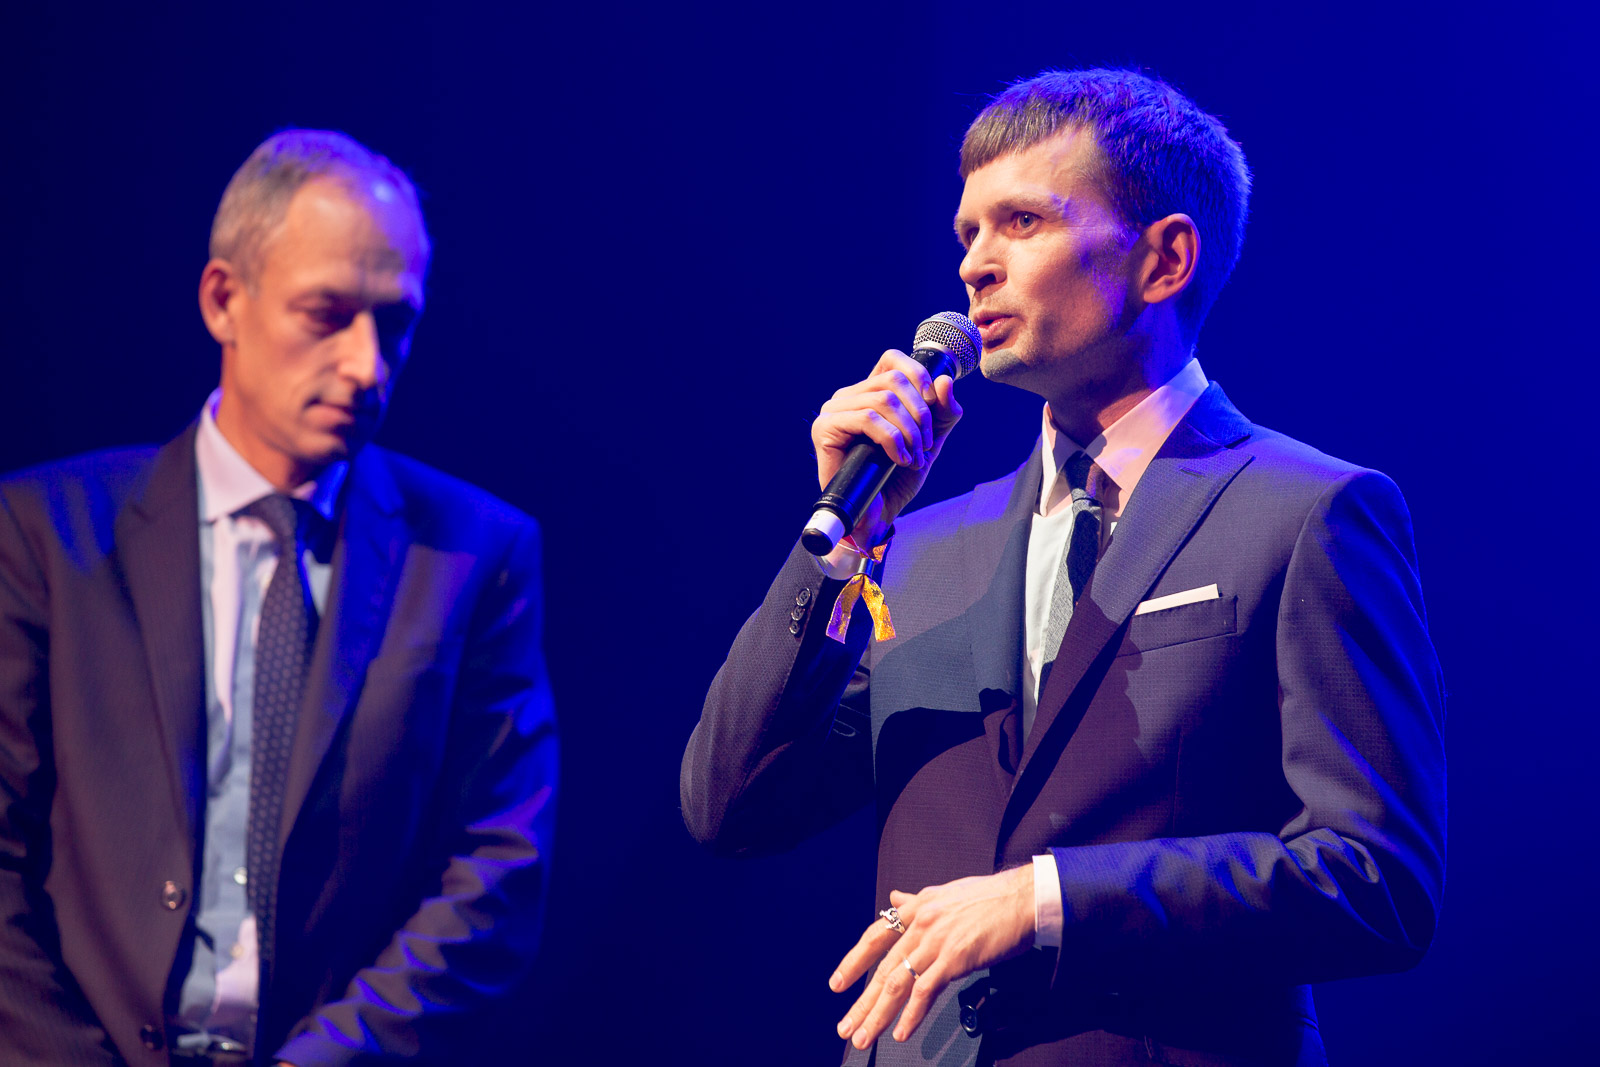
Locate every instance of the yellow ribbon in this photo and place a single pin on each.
(861, 587)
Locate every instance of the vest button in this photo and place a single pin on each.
(173, 895)
(151, 1037)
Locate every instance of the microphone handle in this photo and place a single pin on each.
(861, 477)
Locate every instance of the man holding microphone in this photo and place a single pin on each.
(1156, 741)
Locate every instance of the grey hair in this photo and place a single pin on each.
(257, 197)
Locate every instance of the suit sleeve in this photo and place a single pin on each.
(1351, 884)
(44, 1018)
(783, 746)
(473, 941)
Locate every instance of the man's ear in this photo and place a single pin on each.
(1173, 250)
(220, 285)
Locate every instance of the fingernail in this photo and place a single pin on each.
(899, 1035)
(844, 1027)
(836, 981)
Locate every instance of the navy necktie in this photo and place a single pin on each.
(283, 652)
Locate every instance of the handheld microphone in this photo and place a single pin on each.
(946, 343)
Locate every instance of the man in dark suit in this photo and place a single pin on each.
(1156, 741)
(277, 751)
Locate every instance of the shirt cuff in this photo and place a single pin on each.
(1048, 919)
(842, 562)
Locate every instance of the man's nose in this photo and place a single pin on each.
(361, 355)
(981, 267)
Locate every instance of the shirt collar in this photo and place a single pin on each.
(228, 483)
(1126, 447)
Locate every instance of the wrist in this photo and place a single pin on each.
(1023, 877)
(851, 557)
(865, 542)
(870, 533)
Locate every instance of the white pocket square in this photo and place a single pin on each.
(1173, 600)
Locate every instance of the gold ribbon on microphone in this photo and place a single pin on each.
(861, 587)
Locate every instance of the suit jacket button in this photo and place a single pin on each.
(173, 895)
(803, 598)
(794, 628)
(797, 614)
(151, 1037)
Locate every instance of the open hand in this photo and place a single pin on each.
(951, 931)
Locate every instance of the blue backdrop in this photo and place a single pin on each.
(663, 237)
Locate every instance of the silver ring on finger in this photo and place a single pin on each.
(906, 963)
(892, 917)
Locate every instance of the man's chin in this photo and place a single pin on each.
(1001, 365)
(327, 448)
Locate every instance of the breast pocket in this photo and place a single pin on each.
(1180, 625)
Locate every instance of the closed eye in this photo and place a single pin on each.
(330, 318)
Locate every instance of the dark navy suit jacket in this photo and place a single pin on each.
(418, 812)
(1243, 794)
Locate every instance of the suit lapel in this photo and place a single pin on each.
(1193, 466)
(371, 542)
(158, 539)
(994, 547)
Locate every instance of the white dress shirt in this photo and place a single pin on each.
(238, 556)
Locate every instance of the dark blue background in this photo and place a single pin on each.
(664, 236)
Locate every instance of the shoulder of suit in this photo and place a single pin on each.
(429, 491)
(935, 519)
(110, 476)
(1284, 465)
(984, 501)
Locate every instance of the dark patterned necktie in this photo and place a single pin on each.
(1086, 481)
(283, 652)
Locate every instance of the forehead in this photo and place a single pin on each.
(348, 236)
(1061, 167)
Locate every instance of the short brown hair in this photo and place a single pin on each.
(1160, 154)
(257, 197)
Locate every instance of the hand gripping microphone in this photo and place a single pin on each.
(947, 343)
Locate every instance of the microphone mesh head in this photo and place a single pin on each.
(954, 333)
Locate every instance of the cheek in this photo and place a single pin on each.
(275, 372)
(1110, 292)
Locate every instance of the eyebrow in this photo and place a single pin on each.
(324, 294)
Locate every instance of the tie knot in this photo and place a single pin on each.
(1083, 476)
(280, 515)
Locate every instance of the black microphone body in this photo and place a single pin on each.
(947, 343)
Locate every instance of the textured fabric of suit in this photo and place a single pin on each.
(1243, 794)
(417, 806)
